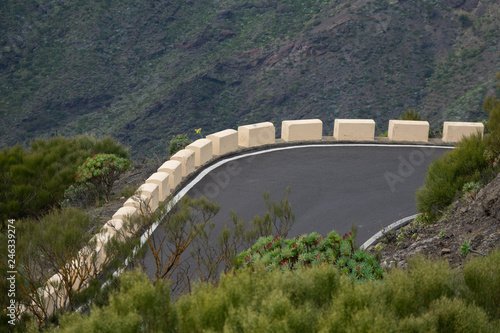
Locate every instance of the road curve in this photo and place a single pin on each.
(332, 186)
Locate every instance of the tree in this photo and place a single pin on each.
(33, 181)
(56, 258)
(102, 170)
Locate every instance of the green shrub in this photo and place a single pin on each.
(80, 196)
(448, 315)
(139, 306)
(33, 181)
(101, 171)
(482, 277)
(427, 297)
(255, 300)
(411, 292)
(447, 176)
(311, 250)
(46, 246)
(179, 142)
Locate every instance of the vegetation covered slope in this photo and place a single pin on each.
(144, 71)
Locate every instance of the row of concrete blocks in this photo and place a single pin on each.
(168, 176)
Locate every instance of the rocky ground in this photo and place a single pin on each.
(474, 219)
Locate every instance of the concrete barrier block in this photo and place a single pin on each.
(139, 202)
(302, 130)
(186, 157)
(224, 142)
(408, 130)
(202, 151)
(95, 256)
(256, 134)
(53, 293)
(125, 213)
(162, 180)
(112, 227)
(354, 129)
(174, 170)
(152, 193)
(455, 131)
(50, 298)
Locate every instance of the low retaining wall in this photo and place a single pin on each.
(161, 184)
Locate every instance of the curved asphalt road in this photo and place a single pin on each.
(332, 186)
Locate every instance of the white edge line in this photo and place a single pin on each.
(396, 225)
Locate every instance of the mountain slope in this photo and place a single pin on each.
(145, 71)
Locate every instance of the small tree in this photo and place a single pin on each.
(102, 170)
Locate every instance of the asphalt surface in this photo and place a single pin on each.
(331, 186)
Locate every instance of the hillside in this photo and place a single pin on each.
(145, 71)
(474, 218)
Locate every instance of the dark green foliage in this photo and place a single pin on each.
(312, 250)
(482, 277)
(446, 176)
(179, 142)
(43, 248)
(473, 161)
(101, 171)
(427, 297)
(139, 306)
(257, 301)
(33, 181)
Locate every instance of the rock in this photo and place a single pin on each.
(445, 251)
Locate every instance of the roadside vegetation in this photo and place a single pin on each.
(471, 165)
(427, 297)
(34, 181)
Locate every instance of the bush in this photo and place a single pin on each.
(311, 250)
(179, 142)
(447, 176)
(257, 301)
(138, 307)
(45, 247)
(101, 171)
(424, 298)
(482, 277)
(33, 181)
(80, 196)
